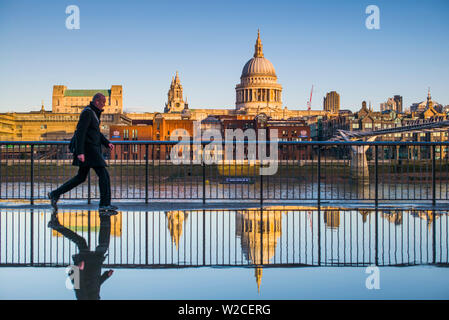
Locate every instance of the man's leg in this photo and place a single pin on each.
(69, 234)
(72, 183)
(105, 185)
(104, 235)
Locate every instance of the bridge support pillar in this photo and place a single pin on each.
(360, 172)
(359, 163)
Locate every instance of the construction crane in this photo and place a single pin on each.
(309, 103)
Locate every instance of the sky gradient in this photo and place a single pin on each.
(141, 44)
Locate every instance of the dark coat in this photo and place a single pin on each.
(91, 277)
(89, 139)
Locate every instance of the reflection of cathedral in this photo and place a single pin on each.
(175, 221)
(426, 215)
(365, 214)
(259, 232)
(394, 217)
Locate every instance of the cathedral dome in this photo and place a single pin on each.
(258, 90)
(258, 66)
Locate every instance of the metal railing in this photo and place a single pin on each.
(307, 170)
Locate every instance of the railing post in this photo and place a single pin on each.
(146, 173)
(32, 175)
(261, 178)
(1, 158)
(376, 173)
(376, 236)
(262, 234)
(204, 174)
(319, 236)
(146, 237)
(433, 176)
(88, 188)
(434, 237)
(31, 236)
(319, 175)
(88, 229)
(204, 237)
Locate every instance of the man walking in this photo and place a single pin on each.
(87, 154)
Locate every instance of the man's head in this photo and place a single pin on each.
(99, 100)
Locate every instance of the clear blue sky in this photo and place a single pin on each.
(141, 44)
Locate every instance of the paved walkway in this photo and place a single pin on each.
(231, 205)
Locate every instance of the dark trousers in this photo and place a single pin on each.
(103, 180)
(103, 237)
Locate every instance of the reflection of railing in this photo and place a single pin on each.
(306, 170)
(270, 237)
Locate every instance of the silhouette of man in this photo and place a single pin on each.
(88, 262)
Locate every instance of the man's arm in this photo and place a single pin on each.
(105, 276)
(81, 131)
(104, 141)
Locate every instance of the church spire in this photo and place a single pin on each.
(175, 221)
(258, 275)
(175, 102)
(258, 53)
(429, 103)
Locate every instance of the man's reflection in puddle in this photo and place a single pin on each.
(88, 262)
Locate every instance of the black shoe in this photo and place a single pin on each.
(108, 208)
(108, 213)
(53, 201)
(54, 222)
